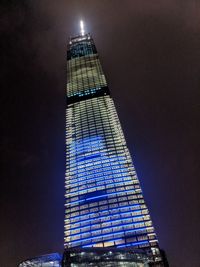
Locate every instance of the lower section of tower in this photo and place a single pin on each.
(97, 257)
(109, 257)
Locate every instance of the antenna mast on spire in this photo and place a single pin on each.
(82, 28)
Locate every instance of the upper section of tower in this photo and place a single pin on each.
(81, 46)
(85, 77)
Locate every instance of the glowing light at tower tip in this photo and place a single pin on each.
(82, 28)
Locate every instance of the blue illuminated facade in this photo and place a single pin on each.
(104, 202)
(107, 223)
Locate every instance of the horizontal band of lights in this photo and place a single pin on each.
(115, 224)
(104, 201)
(99, 180)
(131, 199)
(138, 243)
(134, 244)
(85, 213)
(119, 240)
(109, 166)
(105, 184)
(111, 212)
(103, 211)
(96, 206)
(113, 219)
(109, 234)
(90, 198)
(100, 196)
(109, 237)
(76, 219)
(81, 218)
(107, 222)
(102, 186)
(94, 244)
(139, 219)
(107, 218)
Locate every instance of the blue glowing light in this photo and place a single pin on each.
(97, 176)
(101, 196)
(106, 235)
(112, 240)
(134, 244)
(107, 219)
(113, 228)
(110, 209)
(120, 222)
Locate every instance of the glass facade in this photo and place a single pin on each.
(105, 258)
(49, 260)
(104, 202)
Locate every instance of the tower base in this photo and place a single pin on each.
(108, 257)
(96, 257)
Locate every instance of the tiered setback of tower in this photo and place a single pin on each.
(104, 202)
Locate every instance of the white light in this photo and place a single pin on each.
(82, 28)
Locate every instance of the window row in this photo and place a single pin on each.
(85, 183)
(116, 198)
(131, 223)
(108, 189)
(105, 205)
(95, 222)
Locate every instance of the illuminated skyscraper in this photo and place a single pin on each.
(104, 201)
(107, 223)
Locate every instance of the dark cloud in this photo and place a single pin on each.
(150, 54)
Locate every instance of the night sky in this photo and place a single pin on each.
(150, 53)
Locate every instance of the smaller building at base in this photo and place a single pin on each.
(49, 260)
(98, 257)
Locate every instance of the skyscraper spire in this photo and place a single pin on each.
(82, 30)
